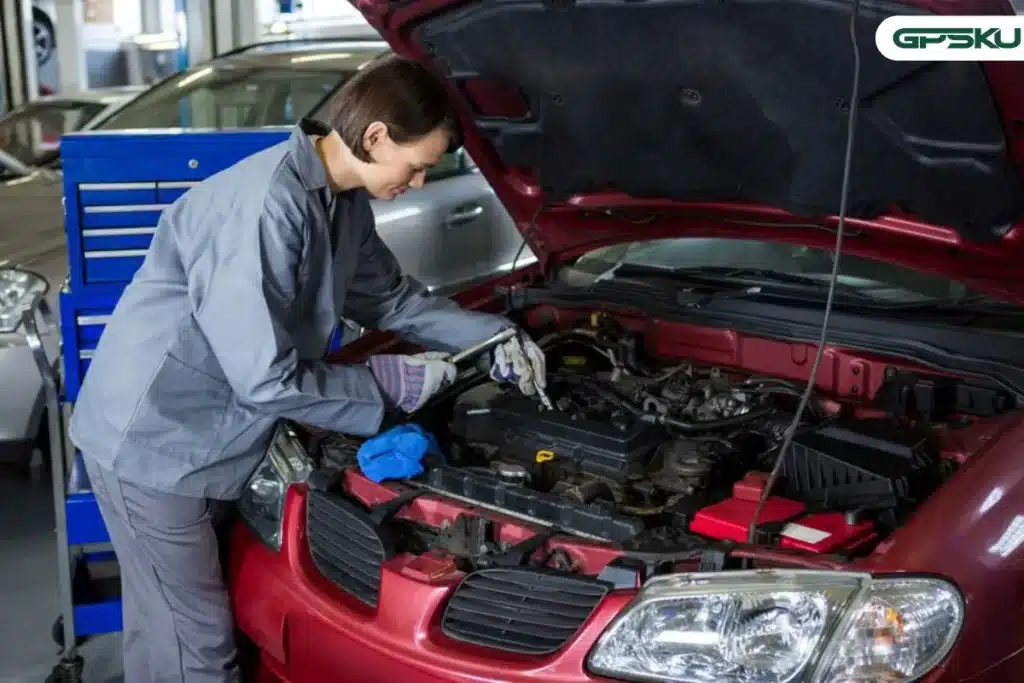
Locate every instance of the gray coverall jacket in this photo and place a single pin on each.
(223, 329)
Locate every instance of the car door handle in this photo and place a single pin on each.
(464, 214)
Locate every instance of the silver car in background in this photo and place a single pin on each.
(449, 234)
(30, 137)
(30, 134)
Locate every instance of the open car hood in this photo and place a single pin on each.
(599, 121)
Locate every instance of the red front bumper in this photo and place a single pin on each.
(309, 631)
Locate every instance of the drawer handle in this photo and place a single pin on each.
(97, 187)
(125, 208)
(126, 253)
(87, 320)
(115, 232)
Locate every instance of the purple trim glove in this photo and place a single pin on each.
(407, 382)
(518, 361)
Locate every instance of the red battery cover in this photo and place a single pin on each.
(824, 532)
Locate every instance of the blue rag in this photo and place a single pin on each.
(397, 453)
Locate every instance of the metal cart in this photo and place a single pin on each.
(88, 585)
(70, 666)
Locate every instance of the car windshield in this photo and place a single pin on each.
(751, 262)
(229, 96)
(30, 134)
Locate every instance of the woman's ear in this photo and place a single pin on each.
(376, 134)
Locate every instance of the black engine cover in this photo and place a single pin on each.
(521, 430)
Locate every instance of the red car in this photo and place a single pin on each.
(677, 168)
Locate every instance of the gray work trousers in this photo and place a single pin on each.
(177, 617)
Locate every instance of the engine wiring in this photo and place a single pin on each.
(851, 126)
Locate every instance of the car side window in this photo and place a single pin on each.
(450, 164)
(228, 98)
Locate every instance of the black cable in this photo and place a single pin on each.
(689, 426)
(851, 125)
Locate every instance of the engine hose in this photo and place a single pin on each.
(814, 405)
(675, 423)
(757, 380)
(708, 425)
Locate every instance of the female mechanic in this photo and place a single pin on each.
(221, 334)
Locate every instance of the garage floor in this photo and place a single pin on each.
(28, 588)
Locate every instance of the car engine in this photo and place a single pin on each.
(649, 456)
(611, 457)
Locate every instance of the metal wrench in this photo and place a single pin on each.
(485, 345)
(543, 396)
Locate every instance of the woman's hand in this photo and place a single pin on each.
(407, 382)
(521, 362)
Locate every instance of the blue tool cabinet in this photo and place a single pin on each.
(116, 185)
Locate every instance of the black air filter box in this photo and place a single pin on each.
(863, 464)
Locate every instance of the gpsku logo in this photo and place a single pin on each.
(952, 39)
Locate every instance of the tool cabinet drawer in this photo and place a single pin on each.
(114, 194)
(114, 239)
(121, 216)
(83, 319)
(104, 266)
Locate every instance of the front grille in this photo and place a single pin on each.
(528, 611)
(345, 545)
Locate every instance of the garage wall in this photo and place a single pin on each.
(106, 68)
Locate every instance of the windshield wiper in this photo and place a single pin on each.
(974, 305)
(698, 287)
(758, 275)
(741, 281)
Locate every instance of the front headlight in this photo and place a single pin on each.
(781, 626)
(261, 504)
(17, 289)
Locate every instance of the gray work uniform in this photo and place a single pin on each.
(221, 333)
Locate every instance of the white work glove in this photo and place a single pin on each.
(520, 361)
(407, 382)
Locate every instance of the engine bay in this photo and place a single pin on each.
(662, 457)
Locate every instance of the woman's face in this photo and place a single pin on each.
(397, 167)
